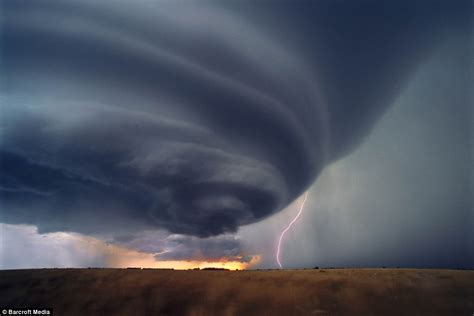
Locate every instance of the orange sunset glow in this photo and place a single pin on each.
(122, 257)
(147, 262)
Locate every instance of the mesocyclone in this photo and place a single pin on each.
(137, 115)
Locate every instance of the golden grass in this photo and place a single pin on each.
(289, 292)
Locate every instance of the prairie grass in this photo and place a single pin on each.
(273, 292)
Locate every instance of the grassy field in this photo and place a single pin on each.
(288, 292)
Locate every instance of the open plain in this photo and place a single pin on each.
(257, 292)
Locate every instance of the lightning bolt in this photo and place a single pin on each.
(288, 227)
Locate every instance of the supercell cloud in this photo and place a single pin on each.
(130, 116)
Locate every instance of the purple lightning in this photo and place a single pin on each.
(288, 227)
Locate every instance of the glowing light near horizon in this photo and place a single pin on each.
(150, 262)
(287, 228)
(124, 258)
(73, 250)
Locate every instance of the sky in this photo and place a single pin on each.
(184, 134)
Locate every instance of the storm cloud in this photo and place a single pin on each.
(174, 247)
(123, 117)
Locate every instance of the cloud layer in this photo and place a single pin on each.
(124, 117)
(22, 247)
(175, 247)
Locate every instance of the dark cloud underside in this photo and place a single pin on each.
(126, 116)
